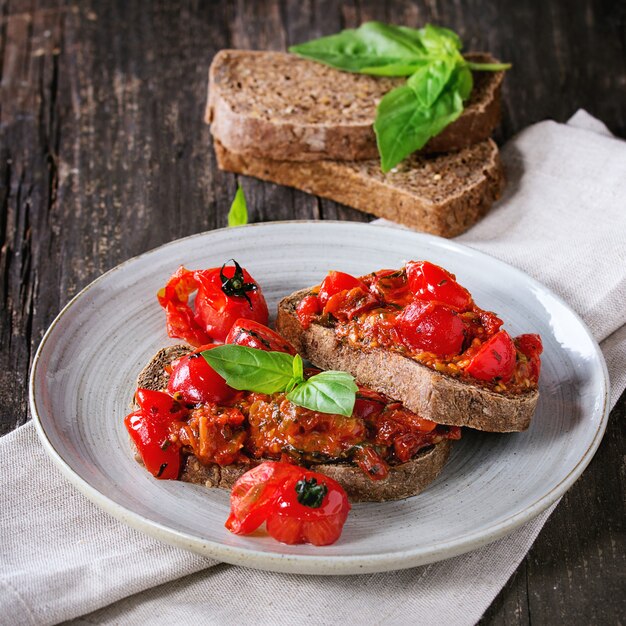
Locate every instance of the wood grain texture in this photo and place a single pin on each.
(103, 155)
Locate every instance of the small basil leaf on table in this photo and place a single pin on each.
(238, 214)
(327, 392)
(250, 369)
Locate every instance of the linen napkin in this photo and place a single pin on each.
(61, 557)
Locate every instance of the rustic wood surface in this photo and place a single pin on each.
(103, 155)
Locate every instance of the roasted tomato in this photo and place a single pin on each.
(297, 505)
(223, 295)
(249, 333)
(531, 347)
(336, 282)
(307, 309)
(495, 360)
(431, 327)
(149, 429)
(347, 305)
(196, 381)
(391, 286)
(428, 281)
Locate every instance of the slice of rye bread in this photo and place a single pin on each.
(280, 106)
(428, 393)
(403, 481)
(439, 194)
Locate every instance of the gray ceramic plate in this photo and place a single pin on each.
(84, 373)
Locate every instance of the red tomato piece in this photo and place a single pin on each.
(224, 295)
(307, 309)
(495, 359)
(150, 434)
(253, 496)
(428, 281)
(196, 381)
(336, 282)
(180, 318)
(531, 347)
(431, 327)
(391, 286)
(160, 405)
(347, 305)
(371, 463)
(249, 333)
(297, 505)
(368, 404)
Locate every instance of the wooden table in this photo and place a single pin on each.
(103, 155)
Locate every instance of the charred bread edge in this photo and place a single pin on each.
(449, 217)
(428, 393)
(254, 136)
(403, 480)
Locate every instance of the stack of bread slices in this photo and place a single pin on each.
(299, 123)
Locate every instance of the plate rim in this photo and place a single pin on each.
(324, 564)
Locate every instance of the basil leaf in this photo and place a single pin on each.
(326, 392)
(250, 369)
(402, 126)
(373, 48)
(238, 214)
(463, 81)
(430, 80)
(437, 40)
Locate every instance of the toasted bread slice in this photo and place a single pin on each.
(428, 393)
(280, 106)
(439, 194)
(404, 480)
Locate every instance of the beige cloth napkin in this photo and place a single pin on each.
(561, 220)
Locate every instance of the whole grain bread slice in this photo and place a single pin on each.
(439, 194)
(428, 393)
(403, 481)
(280, 106)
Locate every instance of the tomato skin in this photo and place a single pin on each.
(431, 327)
(307, 309)
(428, 281)
(216, 312)
(268, 493)
(336, 282)
(150, 434)
(196, 381)
(245, 332)
(496, 358)
(371, 463)
(160, 404)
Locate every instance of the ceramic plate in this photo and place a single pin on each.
(83, 378)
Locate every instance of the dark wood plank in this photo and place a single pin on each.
(104, 154)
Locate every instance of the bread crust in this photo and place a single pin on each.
(265, 134)
(403, 481)
(409, 196)
(428, 393)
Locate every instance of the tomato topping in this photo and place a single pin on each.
(160, 405)
(160, 457)
(431, 282)
(371, 462)
(307, 309)
(431, 327)
(391, 286)
(347, 305)
(334, 283)
(531, 347)
(369, 404)
(297, 505)
(249, 333)
(495, 359)
(223, 295)
(196, 381)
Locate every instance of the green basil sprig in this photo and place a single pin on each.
(238, 214)
(440, 79)
(261, 371)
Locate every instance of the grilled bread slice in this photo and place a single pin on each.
(279, 106)
(441, 194)
(430, 394)
(404, 480)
